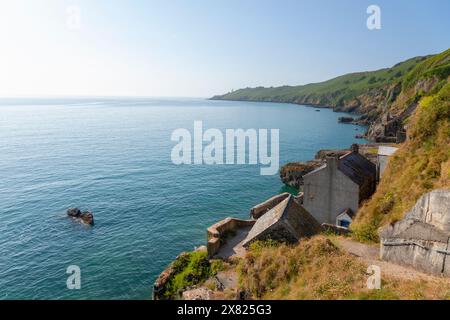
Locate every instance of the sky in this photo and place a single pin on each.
(199, 48)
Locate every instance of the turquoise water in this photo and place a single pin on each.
(112, 156)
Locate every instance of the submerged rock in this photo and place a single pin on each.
(85, 217)
(346, 119)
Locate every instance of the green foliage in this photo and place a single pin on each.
(365, 233)
(190, 269)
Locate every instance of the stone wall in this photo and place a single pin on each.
(257, 211)
(217, 234)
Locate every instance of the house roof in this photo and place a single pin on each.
(288, 221)
(357, 167)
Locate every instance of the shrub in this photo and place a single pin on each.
(191, 269)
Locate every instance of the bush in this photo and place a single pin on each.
(191, 269)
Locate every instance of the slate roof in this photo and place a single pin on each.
(288, 221)
(357, 168)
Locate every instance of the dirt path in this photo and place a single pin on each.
(370, 255)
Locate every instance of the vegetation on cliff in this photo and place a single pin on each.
(335, 92)
(189, 269)
(421, 165)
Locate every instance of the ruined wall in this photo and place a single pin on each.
(257, 211)
(216, 234)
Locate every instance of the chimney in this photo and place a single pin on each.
(354, 148)
(332, 162)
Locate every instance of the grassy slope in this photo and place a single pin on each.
(318, 269)
(332, 92)
(423, 162)
(421, 165)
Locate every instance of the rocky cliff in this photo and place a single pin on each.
(383, 99)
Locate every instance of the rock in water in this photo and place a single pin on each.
(346, 119)
(74, 212)
(85, 217)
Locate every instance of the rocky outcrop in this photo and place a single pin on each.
(346, 119)
(422, 239)
(85, 217)
(292, 173)
(163, 279)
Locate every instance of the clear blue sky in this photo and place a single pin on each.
(203, 47)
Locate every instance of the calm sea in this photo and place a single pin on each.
(112, 156)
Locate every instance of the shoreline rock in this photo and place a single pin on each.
(85, 217)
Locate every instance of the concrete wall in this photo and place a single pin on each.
(382, 163)
(217, 233)
(427, 256)
(328, 192)
(422, 239)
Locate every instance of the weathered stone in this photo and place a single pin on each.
(197, 294)
(422, 239)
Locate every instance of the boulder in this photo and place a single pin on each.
(85, 217)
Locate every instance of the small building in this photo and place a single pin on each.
(286, 222)
(345, 218)
(384, 152)
(343, 183)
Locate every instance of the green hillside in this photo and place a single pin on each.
(333, 92)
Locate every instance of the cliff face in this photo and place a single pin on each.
(384, 99)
